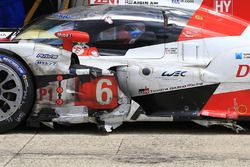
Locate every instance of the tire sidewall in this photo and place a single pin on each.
(28, 93)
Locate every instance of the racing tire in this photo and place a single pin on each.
(16, 92)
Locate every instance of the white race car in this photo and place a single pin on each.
(129, 63)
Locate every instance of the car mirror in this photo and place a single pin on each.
(74, 36)
(70, 36)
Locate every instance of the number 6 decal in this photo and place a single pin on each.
(100, 92)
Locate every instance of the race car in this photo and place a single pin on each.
(129, 63)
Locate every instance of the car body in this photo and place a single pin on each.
(144, 64)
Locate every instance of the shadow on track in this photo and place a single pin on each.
(135, 128)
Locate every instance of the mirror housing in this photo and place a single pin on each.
(70, 36)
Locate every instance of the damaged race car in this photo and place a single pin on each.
(129, 63)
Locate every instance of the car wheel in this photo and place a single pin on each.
(16, 92)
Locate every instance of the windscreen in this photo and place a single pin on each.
(43, 31)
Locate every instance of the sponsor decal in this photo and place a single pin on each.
(172, 51)
(243, 70)
(99, 93)
(19, 118)
(46, 56)
(144, 90)
(242, 109)
(176, 87)
(46, 63)
(191, 34)
(64, 35)
(175, 74)
(182, 1)
(78, 49)
(46, 93)
(185, 86)
(12, 62)
(65, 16)
(159, 90)
(238, 55)
(242, 55)
(198, 17)
(246, 55)
(52, 94)
(239, 108)
(103, 2)
(10, 120)
(176, 1)
(140, 2)
(3, 35)
(223, 6)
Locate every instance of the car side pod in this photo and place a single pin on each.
(70, 36)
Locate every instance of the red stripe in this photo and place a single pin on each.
(206, 23)
(228, 105)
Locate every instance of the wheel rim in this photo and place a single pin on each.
(11, 91)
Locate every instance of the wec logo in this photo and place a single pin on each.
(175, 74)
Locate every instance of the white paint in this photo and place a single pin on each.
(246, 33)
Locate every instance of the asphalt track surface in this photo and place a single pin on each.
(133, 145)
